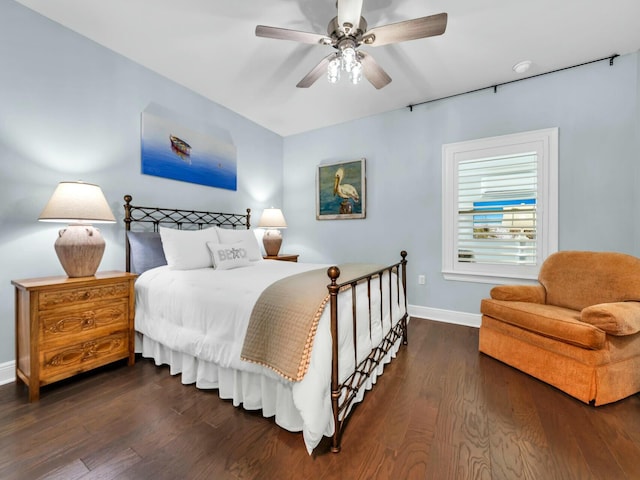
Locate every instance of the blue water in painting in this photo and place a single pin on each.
(160, 160)
(330, 203)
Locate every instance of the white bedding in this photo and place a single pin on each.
(195, 321)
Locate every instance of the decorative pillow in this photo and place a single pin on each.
(228, 255)
(145, 250)
(187, 249)
(247, 237)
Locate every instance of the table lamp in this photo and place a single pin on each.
(79, 246)
(272, 219)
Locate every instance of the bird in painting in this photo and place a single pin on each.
(344, 191)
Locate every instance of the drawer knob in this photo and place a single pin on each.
(88, 319)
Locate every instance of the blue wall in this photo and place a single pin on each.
(71, 110)
(596, 110)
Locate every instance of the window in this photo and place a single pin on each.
(500, 206)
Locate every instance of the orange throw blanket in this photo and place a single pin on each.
(285, 319)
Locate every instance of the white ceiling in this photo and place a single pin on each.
(209, 46)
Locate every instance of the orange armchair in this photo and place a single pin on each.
(577, 329)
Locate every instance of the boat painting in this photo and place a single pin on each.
(179, 146)
(171, 150)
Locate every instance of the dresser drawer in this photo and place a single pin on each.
(63, 362)
(72, 324)
(61, 297)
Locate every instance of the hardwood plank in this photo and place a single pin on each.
(458, 452)
(554, 410)
(620, 433)
(413, 456)
(114, 467)
(71, 471)
(518, 444)
(34, 453)
(597, 453)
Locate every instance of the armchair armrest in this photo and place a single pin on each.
(520, 293)
(617, 318)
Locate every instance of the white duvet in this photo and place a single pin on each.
(200, 317)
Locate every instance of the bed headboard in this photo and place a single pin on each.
(177, 218)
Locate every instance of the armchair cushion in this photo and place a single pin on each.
(547, 320)
(618, 318)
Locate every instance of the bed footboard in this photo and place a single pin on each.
(343, 394)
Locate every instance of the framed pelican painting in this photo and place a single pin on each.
(341, 190)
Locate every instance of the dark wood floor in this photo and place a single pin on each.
(440, 411)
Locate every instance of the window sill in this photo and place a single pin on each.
(488, 278)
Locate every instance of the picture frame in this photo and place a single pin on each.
(341, 190)
(169, 149)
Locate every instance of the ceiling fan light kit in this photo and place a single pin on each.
(347, 60)
(346, 33)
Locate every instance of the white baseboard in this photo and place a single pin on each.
(7, 372)
(447, 316)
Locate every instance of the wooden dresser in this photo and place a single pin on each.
(65, 326)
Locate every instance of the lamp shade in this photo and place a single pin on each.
(77, 202)
(79, 246)
(272, 218)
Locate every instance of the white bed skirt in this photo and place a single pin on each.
(252, 391)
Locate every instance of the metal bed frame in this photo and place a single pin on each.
(342, 394)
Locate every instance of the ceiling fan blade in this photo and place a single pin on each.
(319, 70)
(349, 12)
(295, 35)
(372, 71)
(430, 26)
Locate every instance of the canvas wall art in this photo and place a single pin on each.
(341, 190)
(172, 150)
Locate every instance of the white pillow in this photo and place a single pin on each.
(247, 237)
(228, 255)
(187, 249)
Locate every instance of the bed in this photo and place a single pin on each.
(301, 342)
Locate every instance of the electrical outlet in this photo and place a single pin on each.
(421, 280)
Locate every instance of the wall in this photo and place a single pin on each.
(70, 110)
(596, 109)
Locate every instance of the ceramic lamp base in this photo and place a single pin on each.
(80, 249)
(272, 240)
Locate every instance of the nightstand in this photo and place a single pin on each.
(283, 257)
(66, 326)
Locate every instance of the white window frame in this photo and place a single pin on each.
(545, 143)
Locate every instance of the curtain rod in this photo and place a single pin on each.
(611, 58)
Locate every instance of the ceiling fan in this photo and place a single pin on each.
(346, 33)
